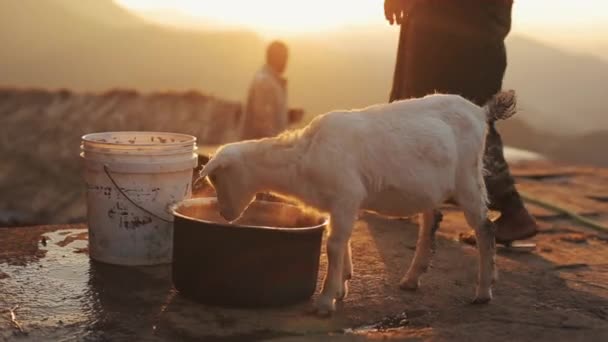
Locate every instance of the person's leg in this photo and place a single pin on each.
(420, 51)
(397, 91)
(515, 222)
(477, 77)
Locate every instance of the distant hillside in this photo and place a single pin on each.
(57, 44)
(565, 92)
(576, 149)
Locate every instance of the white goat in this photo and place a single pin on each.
(400, 159)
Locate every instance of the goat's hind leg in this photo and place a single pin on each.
(486, 243)
(476, 216)
(425, 247)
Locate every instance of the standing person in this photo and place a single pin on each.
(266, 112)
(457, 47)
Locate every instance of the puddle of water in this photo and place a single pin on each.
(28, 287)
(66, 296)
(385, 324)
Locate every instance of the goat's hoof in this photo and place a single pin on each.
(324, 307)
(409, 285)
(342, 293)
(481, 300)
(482, 296)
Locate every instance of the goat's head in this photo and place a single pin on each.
(227, 172)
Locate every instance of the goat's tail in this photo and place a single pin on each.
(501, 106)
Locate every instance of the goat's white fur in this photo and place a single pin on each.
(400, 159)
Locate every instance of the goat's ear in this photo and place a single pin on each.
(212, 165)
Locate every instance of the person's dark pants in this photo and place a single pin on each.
(460, 50)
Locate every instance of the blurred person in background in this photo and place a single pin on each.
(266, 111)
(457, 47)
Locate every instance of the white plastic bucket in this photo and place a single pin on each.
(132, 178)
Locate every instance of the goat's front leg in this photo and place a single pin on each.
(341, 226)
(429, 223)
(347, 272)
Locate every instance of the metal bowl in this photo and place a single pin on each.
(269, 257)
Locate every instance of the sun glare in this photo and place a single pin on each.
(291, 16)
(271, 16)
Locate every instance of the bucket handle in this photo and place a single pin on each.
(106, 169)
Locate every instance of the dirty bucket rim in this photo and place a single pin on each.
(190, 139)
(204, 200)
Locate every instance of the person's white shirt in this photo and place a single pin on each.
(266, 113)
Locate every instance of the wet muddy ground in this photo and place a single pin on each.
(557, 292)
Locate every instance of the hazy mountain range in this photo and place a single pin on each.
(97, 45)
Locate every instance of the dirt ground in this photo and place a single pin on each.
(557, 292)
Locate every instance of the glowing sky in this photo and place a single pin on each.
(577, 25)
(271, 16)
